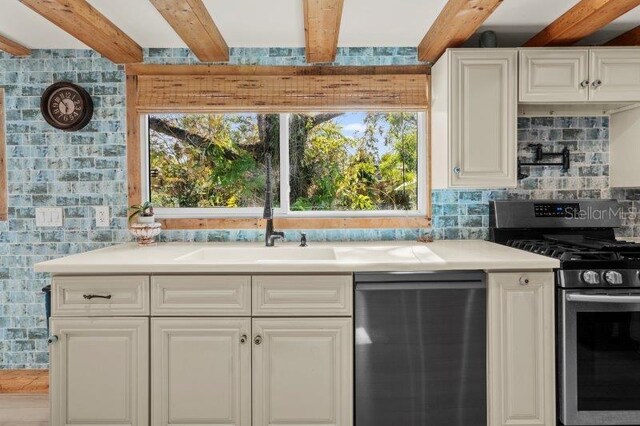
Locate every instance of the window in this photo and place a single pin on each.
(342, 164)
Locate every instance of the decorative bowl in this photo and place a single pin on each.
(145, 233)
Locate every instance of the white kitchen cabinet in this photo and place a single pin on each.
(624, 135)
(615, 75)
(559, 75)
(201, 371)
(91, 296)
(521, 370)
(201, 295)
(302, 295)
(554, 75)
(100, 371)
(303, 372)
(474, 117)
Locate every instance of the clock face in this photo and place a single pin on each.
(66, 106)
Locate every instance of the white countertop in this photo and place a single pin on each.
(349, 257)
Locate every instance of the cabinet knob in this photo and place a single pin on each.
(584, 84)
(243, 338)
(52, 339)
(257, 340)
(596, 84)
(457, 170)
(524, 280)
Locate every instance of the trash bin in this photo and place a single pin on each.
(47, 302)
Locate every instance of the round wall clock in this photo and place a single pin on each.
(66, 106)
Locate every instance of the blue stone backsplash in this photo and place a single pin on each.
(79, 170)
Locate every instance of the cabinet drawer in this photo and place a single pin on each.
(100, 296)
(201, 295)
(303, 295)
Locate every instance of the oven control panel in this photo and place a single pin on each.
(572, 278)
(565, 210)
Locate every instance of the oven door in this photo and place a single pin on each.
(599, 357)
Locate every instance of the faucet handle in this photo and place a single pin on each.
(303, 239)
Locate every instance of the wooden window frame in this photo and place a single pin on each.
(134, 149)
(4, 195)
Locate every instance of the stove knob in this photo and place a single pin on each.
(591, 277)
(613, 277)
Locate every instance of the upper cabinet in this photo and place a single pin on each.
(474, 115)
(615, 75)
(558, 75)
(579, 75)
(624, 137)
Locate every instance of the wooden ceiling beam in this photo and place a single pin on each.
(321, 29)
(630, 38)
(13, 48)
(458, 20)
(87, 24)
(191, 20)
(582, 20)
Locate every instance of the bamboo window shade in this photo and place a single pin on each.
(281, 93)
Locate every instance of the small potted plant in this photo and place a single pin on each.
(142, 212)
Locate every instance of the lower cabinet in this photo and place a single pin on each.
(303, 372)
(200, 371)
(100, 371)
(521, 368)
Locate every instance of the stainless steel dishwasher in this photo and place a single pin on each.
(420, 349)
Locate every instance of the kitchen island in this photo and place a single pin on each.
(240, 334)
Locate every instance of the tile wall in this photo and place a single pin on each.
(79, 170)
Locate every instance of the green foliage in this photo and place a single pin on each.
(217, 161)
(350, 174)
(145, 210)
(224, 169)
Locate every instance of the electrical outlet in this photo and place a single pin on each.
(102, 216)
(48, 216)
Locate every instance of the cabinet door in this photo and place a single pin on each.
(557, 75)
(201, 371)
(100, 371)
(624, 129)
(521, 350)
(483, 119)
(615, 75)
(303, 372)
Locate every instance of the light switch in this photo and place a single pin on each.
(102, 216)
(48, 216)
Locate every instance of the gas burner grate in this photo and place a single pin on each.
(564, 252)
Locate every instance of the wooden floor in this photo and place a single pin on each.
(24, 399)
(24, 381)
(24, 410)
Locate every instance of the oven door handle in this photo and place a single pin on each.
(602, 298)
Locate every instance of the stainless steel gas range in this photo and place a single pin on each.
(598, 303)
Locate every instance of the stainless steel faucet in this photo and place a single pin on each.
(270, 236)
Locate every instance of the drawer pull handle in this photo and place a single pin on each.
(96, 296)
(243, 338)
(257, 340)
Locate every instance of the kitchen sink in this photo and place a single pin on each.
(259, 255)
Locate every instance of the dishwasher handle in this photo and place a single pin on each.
(436, 285)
